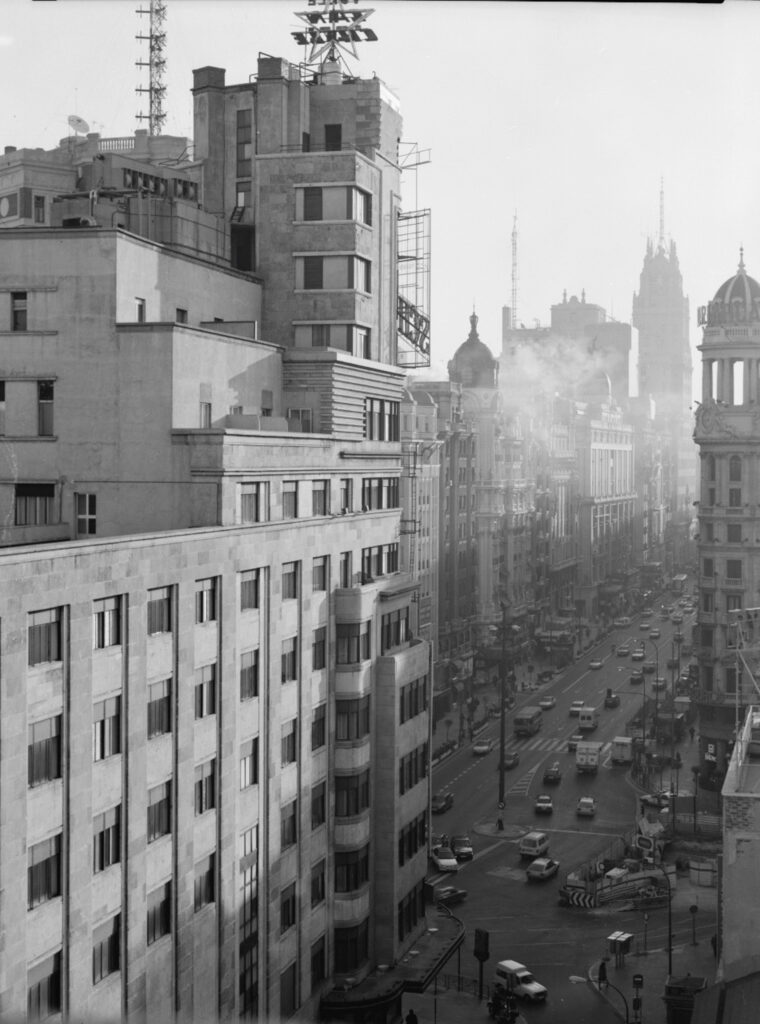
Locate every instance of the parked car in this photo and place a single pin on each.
(644, 627)
(612, 700)
(575, 708)
(586, 807)
(638, 654)
(574, 740)
(595, 663)
(677, 618)
(547, 703)
(655, 633)
(461, 847)
(624, 620)
(657, 800)
(511, 759)
(442, 802)
(444, 859)
(636, 677)
(481, 747)
(553, 773)
(543, 804)
(545, 675)
(623, 651)
(541, 869)
(658, 683)
(649, 668)
(448, 895)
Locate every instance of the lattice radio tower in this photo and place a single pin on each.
(156, 64)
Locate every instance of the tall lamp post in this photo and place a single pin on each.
(502, 706)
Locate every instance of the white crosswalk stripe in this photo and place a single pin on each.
(548, 744)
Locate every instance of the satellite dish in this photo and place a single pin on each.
(78, 123)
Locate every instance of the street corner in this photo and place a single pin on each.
(491, 828)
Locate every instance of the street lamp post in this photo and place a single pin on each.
(502, 709)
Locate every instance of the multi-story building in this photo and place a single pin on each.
(214, 726)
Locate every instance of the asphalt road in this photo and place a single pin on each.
(524, 919)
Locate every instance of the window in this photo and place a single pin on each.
(106, 839)
(249, 763)
(290, 499)
(410, 910)
(734, 602)
(362, 342)
(159, 611)
(267, 402)
(300, 420)
(44, 751)
(39, 209)
(2, 407)
(351, 794)
(44, 989)
(319, 649)
(288, 825)
(320, 335)
(706, 636)
(733, 533)
(346, 494)
(107, 622)
(180, 315)
(412, 768)
(159, 811)
(734, 497)
(320, 497)
(44, 871)
(318, 963)
(289, 580)
(159, 708)
(351, 869)
(243, 140)
(289, 666)
(381, 419)
(707, 567)
(204, 416)
(352, 642)
(313, 272)
(380, 492)
(140, 310)
(249, 589)
(735, 469)
(205, 786)
(106, 949)
(351, 947)
(413, 699)
(333, 136)
(289, 742)
(288, 907)
(319, 727)
(249, 674)
(318, 804)
(319, 573)
(345, 568)
(45, 396)
(312, 204)
(34, 505)
(318, 883)
(242, 196)
(159, 912)
(18, 311)
(352, 718)
(707, 601)
(205, 600)
(248, 934)
(288, 992)
(411, 838)
(106, 728)
(204, 887)
(733, 569)
(254, 502)
(360, 274)
(394, 629)
(205, 691)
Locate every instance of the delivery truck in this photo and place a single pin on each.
(587, 756)
(622, 750)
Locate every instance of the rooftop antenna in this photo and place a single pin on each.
(334, 30)
(156, 63)
(78, 124)
(661, 243)
(514, 271)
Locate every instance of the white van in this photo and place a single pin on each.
(534, 844)
(516, 978)
(588, 719)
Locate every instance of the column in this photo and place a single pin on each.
(707, 365)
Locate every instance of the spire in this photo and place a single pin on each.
(473, 324)
(741, 260)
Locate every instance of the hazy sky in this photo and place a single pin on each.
(568, 114)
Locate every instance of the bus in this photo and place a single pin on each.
(528, 721)
(678, 583)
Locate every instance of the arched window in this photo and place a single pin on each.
(735, 469)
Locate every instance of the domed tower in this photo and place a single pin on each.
(473, 364)
(727, 431)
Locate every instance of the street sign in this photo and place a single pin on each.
(638, 981)
(501, 805)
(480, 946)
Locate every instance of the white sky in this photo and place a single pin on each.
(567, 113)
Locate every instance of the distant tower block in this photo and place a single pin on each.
(334, 30)
(156, 64)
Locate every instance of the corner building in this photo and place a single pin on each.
(214, 700)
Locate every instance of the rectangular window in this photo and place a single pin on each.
(106, 949)
(180, 315)
(159, 708)
(289, 742)
(254, 502)
(734, 497)
(243, 139)
(249, 763)
(289, 580)
(345, 568)
(34, 504)
(381, 419)
(319, 727)
(159, 611)
(2, 408)
(734, 602)
(351, 870)
(319, 649)
(707, 601)
(707, 567)
(39, 209)
(18, 311)
(44, 871)
(320, 335)
(289, 665)
(299, 420)
(205, 600)
(362, 342)
(733, 569)
(249, 674)
(45, 400)
(319, 573)
(159, 912)
(43, 993)
(44, 751)
(290, 499)
(312, 203)
(313, 272)
(288, 907)
(204, 416)
(288, 825)
(360, 274)
(320, 497)
(351, 947)
(106, 839)
(242, 198)
(159, 811)
(107, 622)
(318, 804)
(333, 136)
(346, 494)
(140, 310)
(106, 728)
(318, 963)
(249, 589)
(734, 533)
(205, 786)
(318, 883)
(394, 629)
(205, 691)
(351, 794)
(352, 641)
(205, 882)
(352, 718)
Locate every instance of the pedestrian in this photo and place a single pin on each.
(602, 975)
(691, 733)
(411, 1017)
